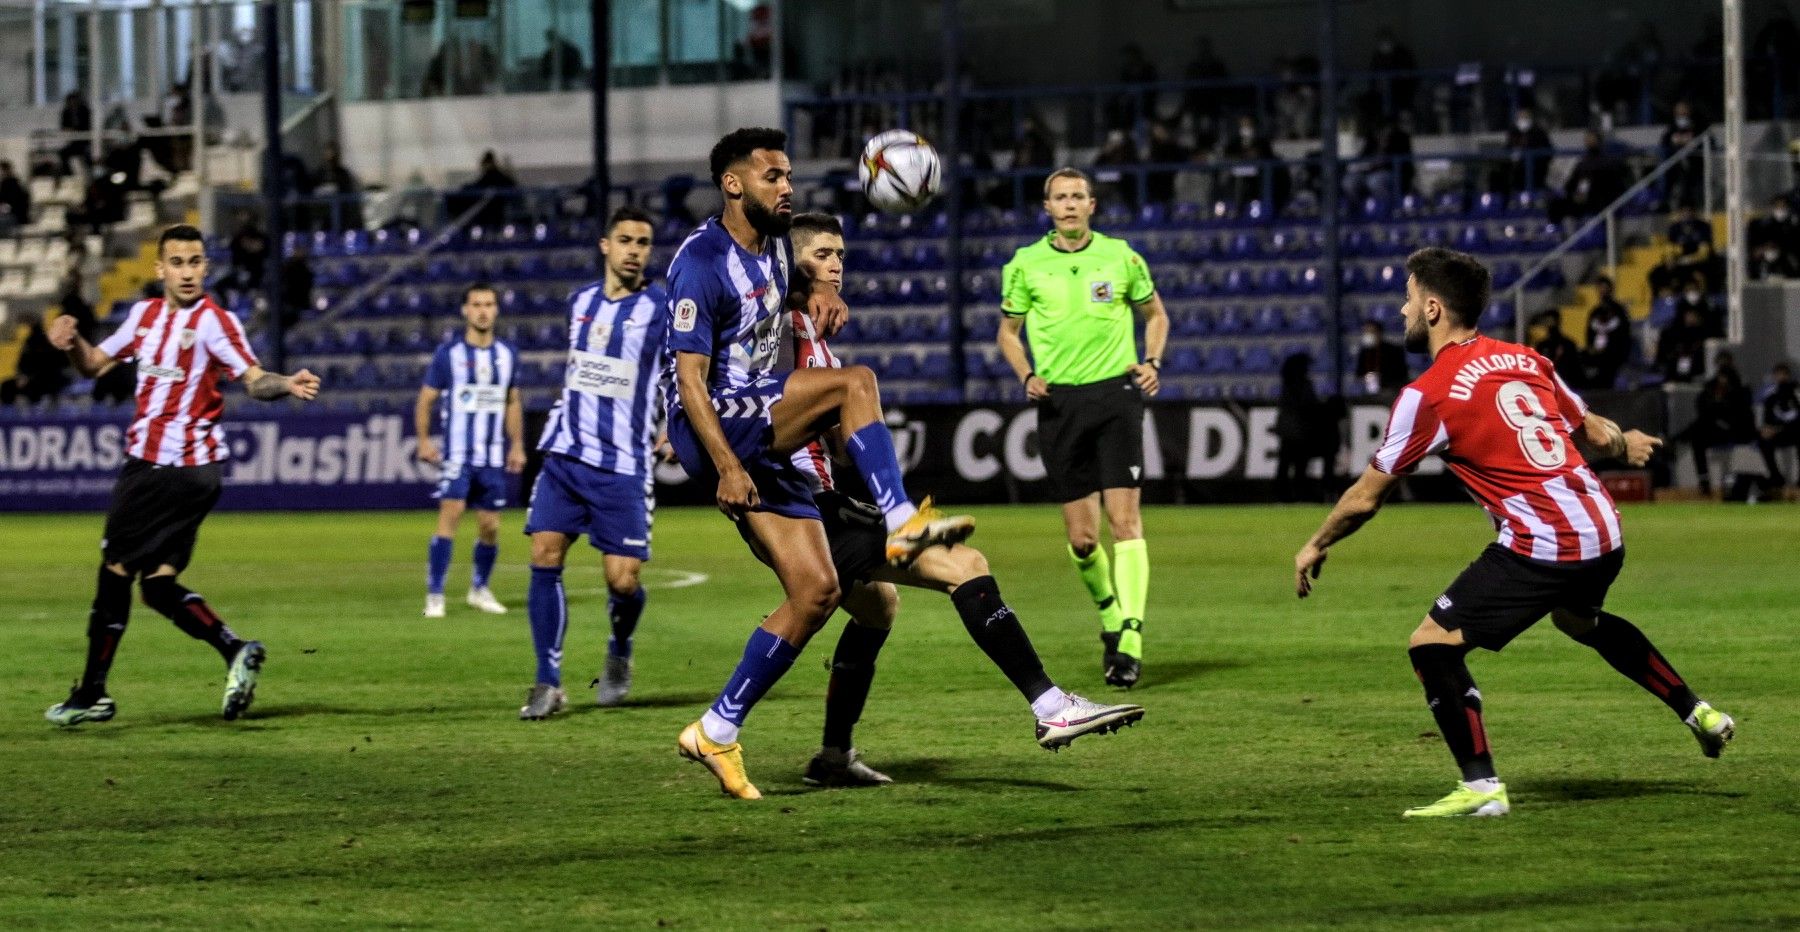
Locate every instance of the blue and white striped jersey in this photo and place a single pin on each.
(474, 381)
(611, 403)
(728, 304)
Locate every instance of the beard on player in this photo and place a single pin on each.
(1418, 335)
(767, 219)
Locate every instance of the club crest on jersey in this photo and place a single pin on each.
(686, 311)
(1100, 292)
(187, 339)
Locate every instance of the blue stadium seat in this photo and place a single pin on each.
(1307, 319)
(1220, 360)
(1389, 279)
(1269, 319)
(1498, 315)
(936, 365)
(1231, 320)
(1274, 280)
(1184, 361)
(1258, 358)
(901, 366)
(1472, 238)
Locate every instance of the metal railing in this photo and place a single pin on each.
(1609, 218)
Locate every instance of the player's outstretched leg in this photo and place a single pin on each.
(624, 606)
(872, 608)
(1624, 646)
(849, 396)
(111, 611)
(1456, 704)
(243, 659)
(547, 606)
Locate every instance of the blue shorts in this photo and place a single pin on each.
(613, 510)
(483, 487)
(744, 414)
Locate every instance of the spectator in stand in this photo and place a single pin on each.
(1772, 61)
(1681, 347)
(1682, 184)
(76, 117)
(1608, 338)
(1779, 226)
(296, 284)
(492, 180)
(560, 67)
(1694, 257)
(1380, 362)
(15, 200)
(43, 370)
(249, 255)
(1254, 182)
(102, 205)
(1308, 429)
(334, 181)
(1622, 84)
(1780, 421)
(1384, 168)
(1597, 179)
(1204, 104)
(1722, 420)
(1527, 155)
(1392, 94)
(1770, 262)
(1112, 184)
(1126, 109)
(1693, 298)
(1553, 344)
(1032, 149)
(1164, 150)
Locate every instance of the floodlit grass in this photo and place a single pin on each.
(383, 780)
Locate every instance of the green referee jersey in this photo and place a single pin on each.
(1077, 306)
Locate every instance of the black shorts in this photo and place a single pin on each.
(1502, 593)
(156, 514)
(1092, 437)
(854, 529)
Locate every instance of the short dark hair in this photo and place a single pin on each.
(628, 214)
(1069, 172)
(808, 225)
(480, 286)
(1456, 278)
(737, 145)
(180, 233)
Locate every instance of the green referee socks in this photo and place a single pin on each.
(1132, 576)
(1096, 574)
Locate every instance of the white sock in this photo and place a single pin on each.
(717, 729)
(1050, 703)
(1488, 785)
(901, 514)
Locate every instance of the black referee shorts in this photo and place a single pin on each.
(854, 529)
(1092, 437)
(1502, 593)
(156, 513)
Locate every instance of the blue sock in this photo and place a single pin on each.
(872, 451)
(625, 613)
(437, 565)
(549, 611)
(485, 555)
(766, 659)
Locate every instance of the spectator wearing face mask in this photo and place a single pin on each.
(1780, 420)
(1681, 347)
(1608, 338)
(1693, 258)
(1527, 155)
(1682, 184)
(1778, 226)
(1380, 363)
(1596, 181)
(1722, 419)
(1768, 262)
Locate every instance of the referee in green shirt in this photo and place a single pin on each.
(1075, 290)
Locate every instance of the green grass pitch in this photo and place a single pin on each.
(383, 780)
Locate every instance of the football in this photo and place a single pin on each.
(899, 171)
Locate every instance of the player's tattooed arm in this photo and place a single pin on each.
(1359, 503)
(1633, 446)
(273, 386)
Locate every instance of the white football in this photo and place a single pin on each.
(899, 171)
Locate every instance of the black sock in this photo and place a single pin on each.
(1632, 654)
(997, 632)
(191, 614)
(106, 626)
(1456, 704)
(852, 671)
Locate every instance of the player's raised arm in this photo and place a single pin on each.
(737, 493)
(264, 385)
(89, 360)
(1358, 504)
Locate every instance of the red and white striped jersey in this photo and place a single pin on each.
(810, 352)
(181, 353)
(1503, 421)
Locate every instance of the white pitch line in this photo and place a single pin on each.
(678, 579)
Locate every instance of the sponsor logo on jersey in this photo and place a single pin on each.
(686, 311)
(1100, 292)
(171, 373)
(187, 339)
(1443, 602)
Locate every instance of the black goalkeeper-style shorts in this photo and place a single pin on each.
(854, 529)
(156, 513)
(1092, 437)
(1502, 593)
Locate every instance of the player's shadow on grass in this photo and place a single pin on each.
(1161, 673)
(937, 770)
(663, 701)
(1584, 789)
